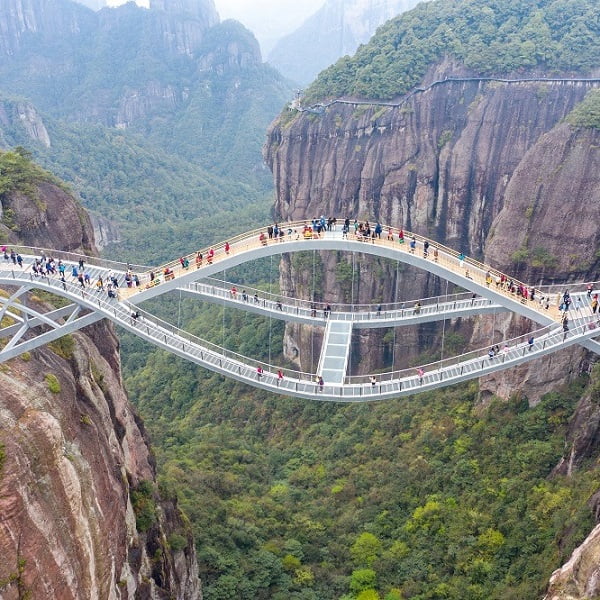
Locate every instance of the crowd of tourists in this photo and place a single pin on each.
(44, 266)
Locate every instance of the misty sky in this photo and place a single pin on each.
(268, 19)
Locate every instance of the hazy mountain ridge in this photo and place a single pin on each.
(337, 29)
(172, 72)
(141, 104)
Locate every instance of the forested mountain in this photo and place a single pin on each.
(457, 494)
(335, 30)
(193, 85)
(509, 36)
(165, 107)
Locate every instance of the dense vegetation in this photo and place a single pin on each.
(18, 173)
(495, 37)
(430, 497)
(162, 203)
(587, 113)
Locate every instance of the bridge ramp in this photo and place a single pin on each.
(335, 351)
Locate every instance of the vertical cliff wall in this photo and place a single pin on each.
(80, 513)
(488, 168)
(438, 164)
(548, 219)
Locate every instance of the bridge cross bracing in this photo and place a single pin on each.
(89, 306)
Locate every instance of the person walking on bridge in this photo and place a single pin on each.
(413, 244)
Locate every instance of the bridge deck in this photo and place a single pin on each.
(335, 351)
(91, 305)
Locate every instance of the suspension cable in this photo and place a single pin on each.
(444, 326)
(270, 313)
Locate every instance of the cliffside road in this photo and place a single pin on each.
(321, 106)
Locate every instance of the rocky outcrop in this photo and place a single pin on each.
(579, 577)
(136, 105)
(98, 79)
(551, 206)
(583, 437)
(549, 215)
(203, 10)
(49, 219)
(439, 164)
(20, 122)
(106, 231)
(232, 49)
(80, 514)
(48, 20)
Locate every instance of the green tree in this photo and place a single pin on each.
(366, 549)
(361, 580)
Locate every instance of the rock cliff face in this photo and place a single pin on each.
(20, 19)
(80, 516)
(204, 10)
(579, 577)
(440, 164)
(487, 168)
(21, 121)
(89, 61)
(551, 219)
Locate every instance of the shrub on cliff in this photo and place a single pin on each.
(19, 174)
(144, 505)
(587, 113)
(52, 383)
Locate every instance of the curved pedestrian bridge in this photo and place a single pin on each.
(489, 291)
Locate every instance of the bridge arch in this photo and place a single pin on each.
(89, 307)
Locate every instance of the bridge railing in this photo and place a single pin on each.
(506, 350)
(560, 288)
(353, 388)
(152, 323)
(357, 386)
(221, 288)
(242, 239)
(250, 239)
(73, 257)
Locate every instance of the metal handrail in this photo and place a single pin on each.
(466, 357)
(73, 257)
(336, 307)
(121, 312)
